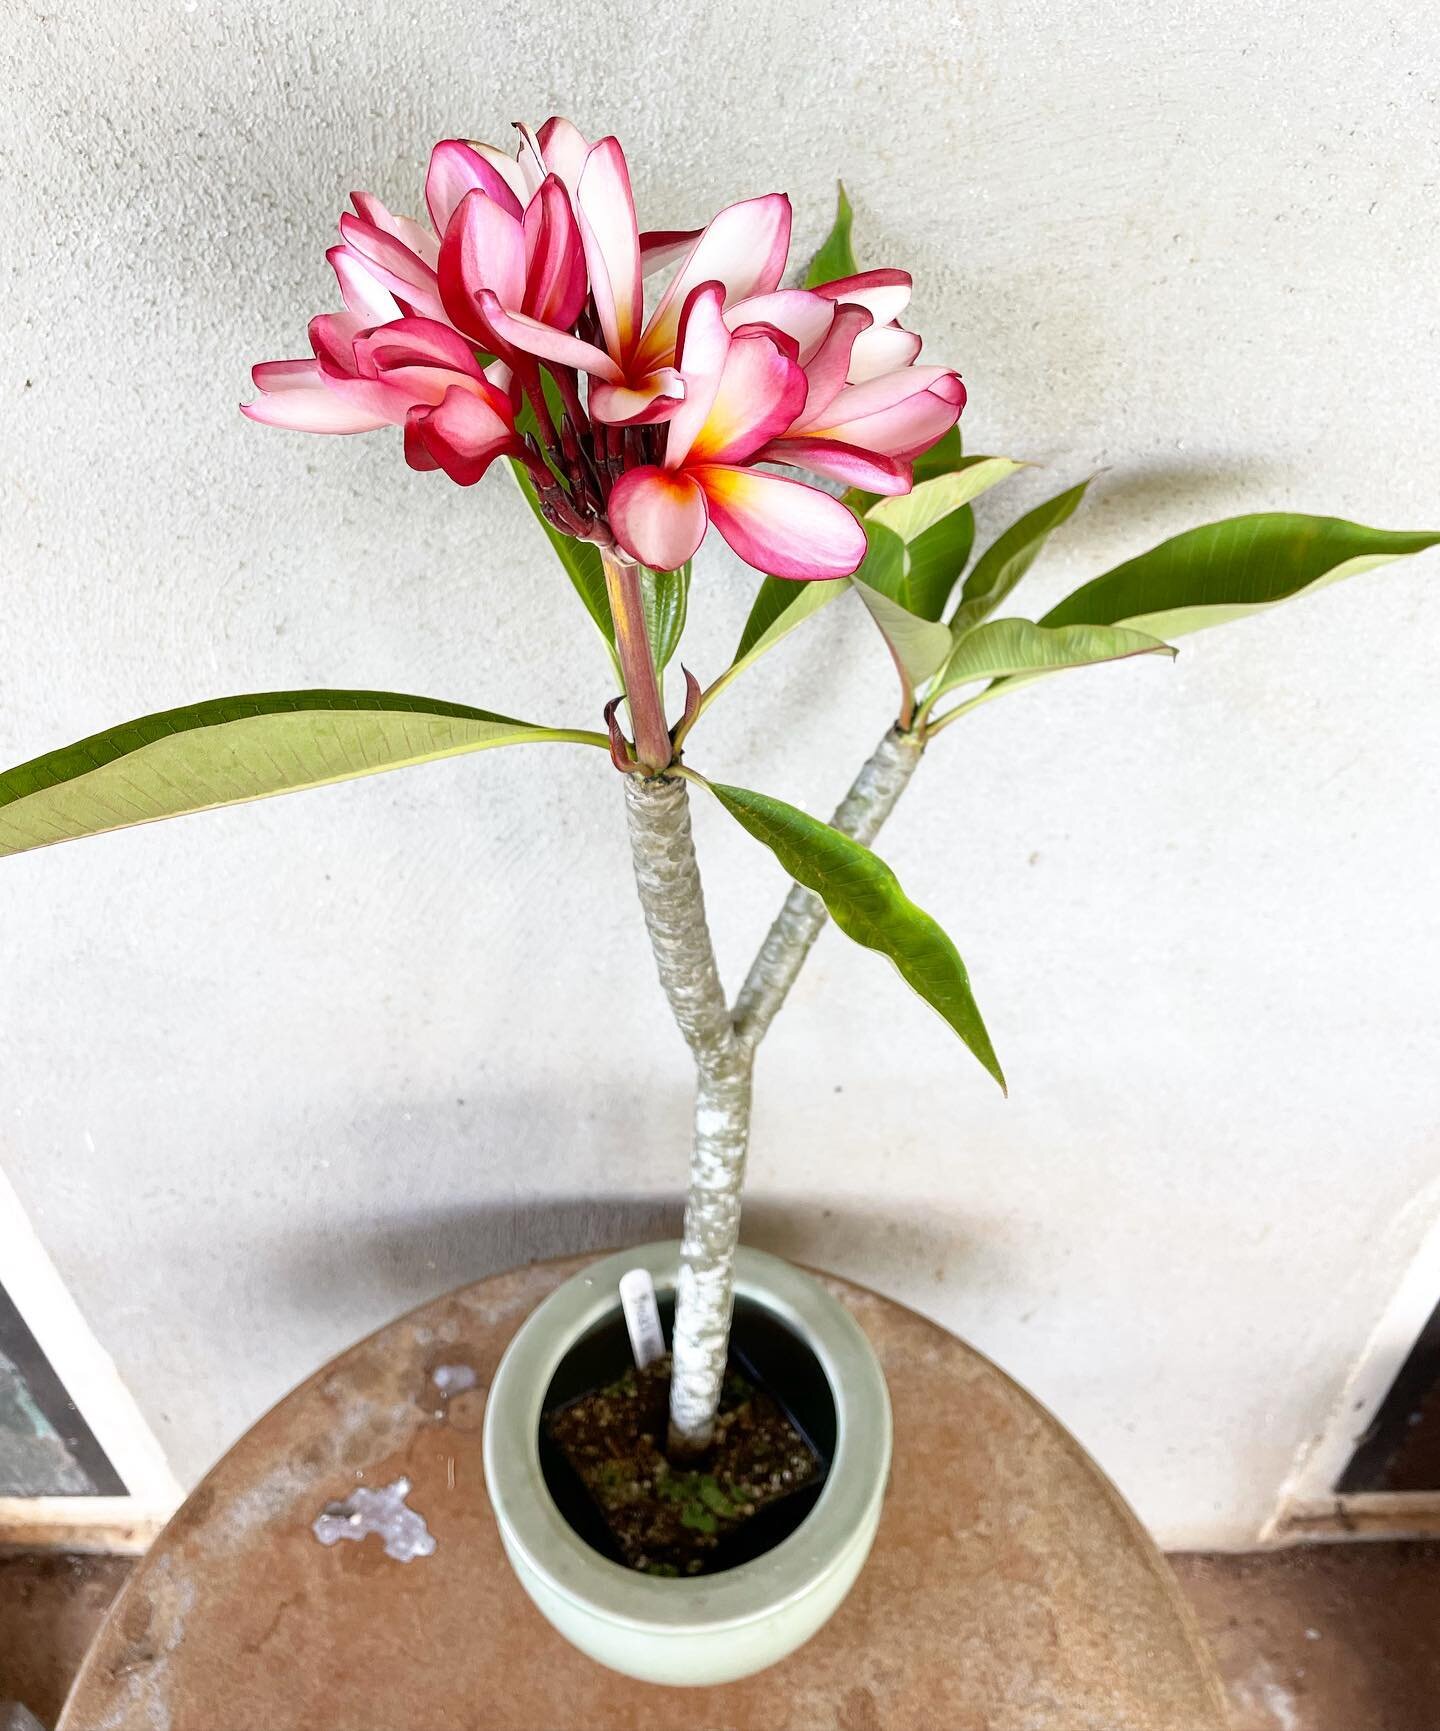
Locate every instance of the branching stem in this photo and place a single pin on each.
(722, 1042)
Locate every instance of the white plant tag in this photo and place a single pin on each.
(642, 1316)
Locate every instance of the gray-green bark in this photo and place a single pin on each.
(723, 1044)
(860, 814)
(668, 879)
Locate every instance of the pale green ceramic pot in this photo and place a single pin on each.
(718, 1627)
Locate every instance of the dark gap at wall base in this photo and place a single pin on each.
(1401, 1449)
(46, 1447)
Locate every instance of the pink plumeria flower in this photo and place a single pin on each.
(561, 148)
(388, 265)
(742, 390)
(631, 359)
(863, 437)
(885, 345)
(881, 346)
(664, 421)
(412, 373)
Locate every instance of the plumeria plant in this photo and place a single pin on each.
(517, 329)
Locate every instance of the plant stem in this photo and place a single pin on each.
(723, 1045)
(637, 663)
(871, 799)
(668, 879)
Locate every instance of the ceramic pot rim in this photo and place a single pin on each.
(534, 1527)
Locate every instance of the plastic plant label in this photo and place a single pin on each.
(642, 1317)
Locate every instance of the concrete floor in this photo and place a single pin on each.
(1326, 1638)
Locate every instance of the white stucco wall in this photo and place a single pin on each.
(273, 1074)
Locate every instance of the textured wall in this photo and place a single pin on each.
(272, 1074)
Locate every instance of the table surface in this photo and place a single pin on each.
(1010, 1588)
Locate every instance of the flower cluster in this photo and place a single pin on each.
(517, 328)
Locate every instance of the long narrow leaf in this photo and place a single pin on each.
(935, 560)
(233, 749)
(919, 646)
(1229, 570)
(1006, 648)
(866, 901)
(665, 596)
(910, 514)
(1001, 566)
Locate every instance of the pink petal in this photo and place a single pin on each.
(457, 168)
(417, 452)
(531, 163)
(563, 149)
(293, 394)
(779, 526)
(744, 248)
(285, 375)
(612, 245)
(555, 282)
(504, 380)
(361, 292)
(393, 264)
(332, 336)
(420, 361)
(484, 248)
(662, 246)
(829, 368)
(702, 343)
(658, 516)
(882, 349)
(417, 342)
(761, 392)
(507, 168)
(655, 398)
(516, 331)
(801, 314)
(414, 236)
(899, 414)
(463, 435)
(837, 462)
(344, 363)
(885, 294)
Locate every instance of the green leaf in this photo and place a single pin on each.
(1007, 647)
(919, 646)
(919, 574)
(665, 596)
(937, 555)
(1001, 566)
(912, 513)
(780, 605)
(835, 258)
(883, 566)
(943, 456)
(1229, 570)
(865, 900)
(233, 749)
(934, 561)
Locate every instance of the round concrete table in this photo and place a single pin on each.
(1010, 1588)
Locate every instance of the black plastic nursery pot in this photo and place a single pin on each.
(603, 1449)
